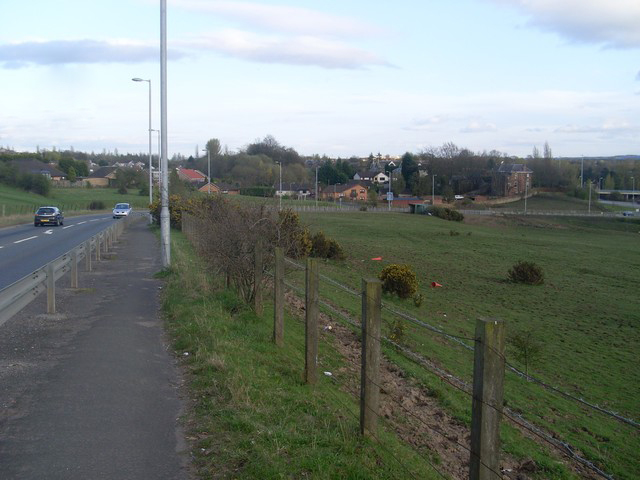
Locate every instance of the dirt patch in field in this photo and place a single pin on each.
(413, 413)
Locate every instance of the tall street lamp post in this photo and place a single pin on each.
(633, 189)
(165, 226)
(150, 153)
(316, 186)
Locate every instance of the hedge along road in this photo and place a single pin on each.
(25, 248)
(93, 391)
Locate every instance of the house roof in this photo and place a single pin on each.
(192, 174)
(102, 172)
(37, 167)
(513, 168)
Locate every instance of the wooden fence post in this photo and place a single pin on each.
(74, 268)
(257, 281)
(278, 299)
(486, 408)
(51, 289)
(370, 371)
(98, 247)
(311, 322)
(87, 256)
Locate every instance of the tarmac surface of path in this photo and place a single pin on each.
(92, 392)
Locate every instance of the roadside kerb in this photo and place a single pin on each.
(19, 294)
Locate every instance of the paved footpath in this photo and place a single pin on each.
(91, 392)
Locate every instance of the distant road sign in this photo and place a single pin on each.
(389, 196)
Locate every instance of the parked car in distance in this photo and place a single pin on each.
(459, 197)
(628, 214)
(48, 216)
(121, 210)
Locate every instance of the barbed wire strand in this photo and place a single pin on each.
(466, 388)
(459, 340)
(466, 448)
(356, 394)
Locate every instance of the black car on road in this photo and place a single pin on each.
(48, 216)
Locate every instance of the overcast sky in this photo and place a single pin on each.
(334, 77)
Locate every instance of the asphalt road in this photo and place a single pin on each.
(25, 248)
(92, 392)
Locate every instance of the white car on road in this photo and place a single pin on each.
(121, 210)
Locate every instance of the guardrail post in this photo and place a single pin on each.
(278, 299)
(51, 289)
(311, 322)
(98, 247)
(486, 407)
(370, 370)
(74, 268)
(87, 256)
(257, 282)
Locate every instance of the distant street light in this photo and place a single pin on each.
(526, 191)
(433, 190)
(208, 170)
(280, 191)
(590, 184)
(159, 162)
(633, 189)
(150, 177)
(316, 186)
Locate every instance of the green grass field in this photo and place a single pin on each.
(586, 314)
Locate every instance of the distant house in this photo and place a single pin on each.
(372, 176)
(353, 191)
(195, 177)
(102, 177)
(511, 180)
(223, 188)
(37, 167)
(295, 190)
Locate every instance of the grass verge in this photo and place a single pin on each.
(251, 415)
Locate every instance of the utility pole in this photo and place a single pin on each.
(165, 233)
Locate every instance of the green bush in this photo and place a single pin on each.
(323, 247)
(258, 191)
(399, 279)
(526, 272)
(446, 213)
(97, 205)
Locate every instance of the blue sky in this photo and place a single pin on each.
(334, 77)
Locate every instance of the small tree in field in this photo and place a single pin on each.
(526, 348)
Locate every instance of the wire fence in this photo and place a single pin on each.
(551, 438)
(344, 312)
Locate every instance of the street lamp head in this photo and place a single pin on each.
(137, 79)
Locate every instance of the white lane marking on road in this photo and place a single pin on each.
(68, 226)
(95, 220)
(25, 239)
(48, 232)
(80, 223)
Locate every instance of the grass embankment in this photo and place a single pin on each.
(586, 315)
(17, 206)
(252, 415)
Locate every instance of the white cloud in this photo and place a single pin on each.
(299, 50)
(56, 52)
(609, 128)
(479, 127)
(283, 19)
(611, 23)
